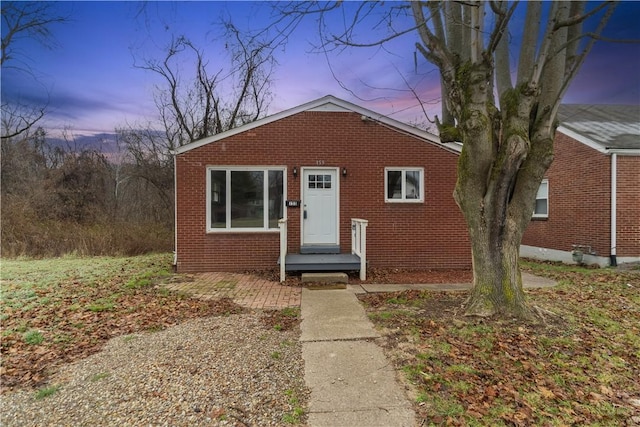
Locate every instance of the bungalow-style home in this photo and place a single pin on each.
(325, 186)
(588, 206)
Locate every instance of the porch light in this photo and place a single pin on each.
(295, 171)
(344, 172)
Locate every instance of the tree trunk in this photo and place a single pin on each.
(496, 146)
(497, 282)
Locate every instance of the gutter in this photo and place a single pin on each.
(622, 151)
(614, 208)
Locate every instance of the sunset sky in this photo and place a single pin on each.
(92, 86)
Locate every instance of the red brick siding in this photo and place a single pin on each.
(628, 206)
(579, 200)
(426, 235)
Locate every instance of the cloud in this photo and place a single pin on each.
(65, 106)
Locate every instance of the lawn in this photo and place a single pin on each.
(58, 310)
(581, 366)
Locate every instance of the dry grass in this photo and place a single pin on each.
(580, 368)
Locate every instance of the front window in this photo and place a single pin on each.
(541, 209)
(244, 199)
(404, 184)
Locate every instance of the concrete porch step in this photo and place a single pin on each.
(329, 277)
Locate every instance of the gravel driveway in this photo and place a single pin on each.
(222, 371)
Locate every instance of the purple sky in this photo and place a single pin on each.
(93, 87)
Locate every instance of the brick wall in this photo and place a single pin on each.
(628, 206)
(427, 235)
(579, 200)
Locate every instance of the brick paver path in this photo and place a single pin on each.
(245, 289)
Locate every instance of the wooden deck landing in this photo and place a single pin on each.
(322, 262)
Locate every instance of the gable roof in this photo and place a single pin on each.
(606, 128)
(327, 103)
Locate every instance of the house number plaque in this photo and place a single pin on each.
(293, 203)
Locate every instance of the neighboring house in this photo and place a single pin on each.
(319, 165)
(589, 202)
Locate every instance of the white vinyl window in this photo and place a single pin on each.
(404, 185)
(541, 209)
(244, 199)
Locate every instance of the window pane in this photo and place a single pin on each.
(541, 207)
(542, 200)
(247, 199)
(276, 202)
(543, 191)
(218, 199)
(394, 184)
(412, 184)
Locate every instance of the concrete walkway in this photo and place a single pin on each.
(529, 281)
(254, 292)
(351, 381)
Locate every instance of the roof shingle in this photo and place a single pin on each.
(610, 126)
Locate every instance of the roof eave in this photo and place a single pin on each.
(581, 138)
(623, 151)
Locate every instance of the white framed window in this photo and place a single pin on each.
(245, 198)
(403, 185)
(541, 209)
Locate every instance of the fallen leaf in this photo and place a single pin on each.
(546, 393)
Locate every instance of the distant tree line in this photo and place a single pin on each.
(58, 200)
(66, 198)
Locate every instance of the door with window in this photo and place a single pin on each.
(320, 207)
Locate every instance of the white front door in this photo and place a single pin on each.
(320, 207)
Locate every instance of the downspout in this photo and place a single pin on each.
(614, 184)
(175, 214)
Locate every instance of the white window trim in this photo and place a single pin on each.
(228, 170)
(535, 215)
(403, 188)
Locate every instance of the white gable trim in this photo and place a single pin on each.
(330, 107)
(580, 138)
(327, 103)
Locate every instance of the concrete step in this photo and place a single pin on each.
(333, 277)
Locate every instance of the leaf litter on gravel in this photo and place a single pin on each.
(77, 304)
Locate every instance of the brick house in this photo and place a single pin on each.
(590, 199)
(349, 184)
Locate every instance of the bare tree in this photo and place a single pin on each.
(31, 20)
(198, 102)
(211, 101)
(150, 162)
(508, 142)
(18, 118)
